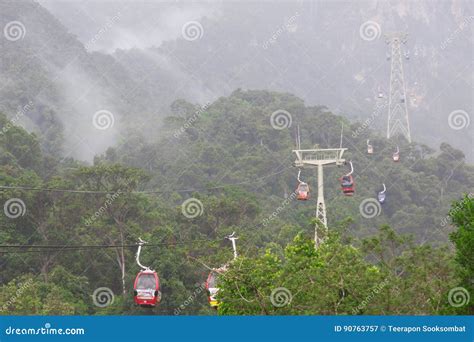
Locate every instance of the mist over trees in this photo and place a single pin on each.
(110, 133)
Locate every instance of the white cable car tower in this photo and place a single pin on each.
(398, 121)
(318, 158)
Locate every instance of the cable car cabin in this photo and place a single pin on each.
(347, 184)
(396, 157)
(302, 191)
(147, 288)
(381, 197)
(212, 289)
(370, 149)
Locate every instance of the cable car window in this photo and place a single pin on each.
(146, 281)
(212, 280)
(304, 187)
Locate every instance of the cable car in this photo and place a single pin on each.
(347, 183)
(370, 148)
(213, 277)
(381, 195)
(302, 191)
(396, 155)
(211, 286)
(146, 289)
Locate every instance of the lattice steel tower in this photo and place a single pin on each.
(397, 103)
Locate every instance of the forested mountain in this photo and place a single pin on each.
(331, 53)
(228, 158)
(298, 47)
(183, 154)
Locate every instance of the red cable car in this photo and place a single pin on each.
(302, 191)
(147, 288)
(347, 184)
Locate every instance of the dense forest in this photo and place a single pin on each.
(70, 228)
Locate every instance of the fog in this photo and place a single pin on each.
(134, 58)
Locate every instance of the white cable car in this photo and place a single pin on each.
(396, 155)
(381, 195)
(212, 283)
(370, 148)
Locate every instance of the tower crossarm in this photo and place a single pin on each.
(317, 157)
